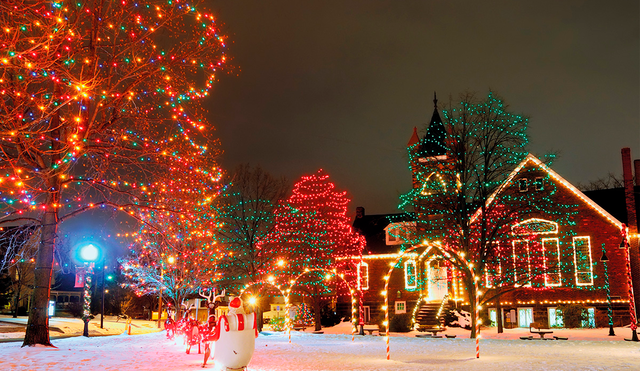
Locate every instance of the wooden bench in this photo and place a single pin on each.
(299, 327)
(370, 329)
(538, 329)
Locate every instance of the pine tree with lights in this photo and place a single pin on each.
(97, 111)
(312, 231)
(304, 315)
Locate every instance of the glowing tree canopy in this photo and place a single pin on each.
(173, 254)
(97, 109)
(312, 230)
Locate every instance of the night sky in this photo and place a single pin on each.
(339, 85)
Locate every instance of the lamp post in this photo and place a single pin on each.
(89, 255)
(632, 307)
(170, 260)
(102, 298)
(604, 259)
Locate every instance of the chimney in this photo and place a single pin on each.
(359, 212)
(632, 219)
(636, 172)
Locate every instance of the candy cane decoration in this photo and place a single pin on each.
(632, 305)
(477, 314)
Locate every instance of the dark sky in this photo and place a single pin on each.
(339, 85)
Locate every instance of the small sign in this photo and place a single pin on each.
(79, 277)
(51, 309)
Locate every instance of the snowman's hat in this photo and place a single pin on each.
(235, 303)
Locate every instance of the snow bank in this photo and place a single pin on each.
(335, 352)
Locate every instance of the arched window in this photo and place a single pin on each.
(434, 185)
(410, 274)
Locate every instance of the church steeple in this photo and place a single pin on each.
(433, 143)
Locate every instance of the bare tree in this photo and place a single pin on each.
(610, 181)
(466, 158)
(247, 216)
(96, 111)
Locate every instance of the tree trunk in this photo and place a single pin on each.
(16, 302)
(38, 325)
(316, 308)
(472, 304)
(499, 317)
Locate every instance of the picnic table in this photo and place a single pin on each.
(537, 328)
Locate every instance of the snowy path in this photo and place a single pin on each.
(328, 352)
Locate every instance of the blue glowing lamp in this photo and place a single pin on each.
(89, 253)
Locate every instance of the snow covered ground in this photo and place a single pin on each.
(587, 349)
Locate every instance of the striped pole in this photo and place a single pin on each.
(632, 305)
(477, 314)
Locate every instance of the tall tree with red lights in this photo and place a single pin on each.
(312, 231)
(98, 108)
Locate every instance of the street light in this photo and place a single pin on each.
(604, 259)
(89, 254)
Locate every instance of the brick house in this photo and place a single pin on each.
(550, 256)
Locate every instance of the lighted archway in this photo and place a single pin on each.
(329, 272)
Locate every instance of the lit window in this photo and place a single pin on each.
(401, 307)
(434, 184)
(523, 184)
(552, 271)
(555, 317)
(582, 260)
(521, 263)
(525, 317)
(410, 279)
(363, 276)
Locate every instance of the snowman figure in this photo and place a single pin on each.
(235, 338)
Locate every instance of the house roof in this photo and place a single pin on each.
(614, 201)
(372, 227)
(530, 159)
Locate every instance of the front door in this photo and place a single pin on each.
(438, 286)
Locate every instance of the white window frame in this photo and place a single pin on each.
(558, 263)
(538, 184)
(407, 285)
(575, 261)
(532, 316)
(363, 277)
(399, 233)
(552, 312)
(404, 307)
(515, 268)
(523, 184)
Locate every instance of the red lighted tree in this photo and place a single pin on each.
(312, 231)
(96, 103)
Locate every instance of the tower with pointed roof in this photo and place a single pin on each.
(433, 176)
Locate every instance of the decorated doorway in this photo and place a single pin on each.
(437, 286)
